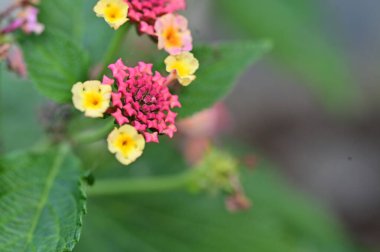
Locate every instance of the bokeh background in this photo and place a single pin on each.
(311, 106)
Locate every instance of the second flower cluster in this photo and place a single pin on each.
(137, 98)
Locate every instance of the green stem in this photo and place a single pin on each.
(110, 56)
(141, 185)
(6, 39)
(42, 145)
(94, 135)
(114, 48)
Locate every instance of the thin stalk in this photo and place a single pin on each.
(114, 48)
(94, 135)
(141, 185)
(109, 56)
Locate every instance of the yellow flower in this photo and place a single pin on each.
(173, 34)
(91, 97)
(115, 12)
(127, 143)
(185, 65)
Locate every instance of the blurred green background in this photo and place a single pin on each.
(311, 108)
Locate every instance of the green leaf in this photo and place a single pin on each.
(55, 59)
(279, 221)
(41, 201)
(55, 64)
(300, 45)
(95, 43)
(220, 65)
(19, 125)
(63, 16)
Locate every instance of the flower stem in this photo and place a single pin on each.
(94, 135)
(114, 48)
(141, 185)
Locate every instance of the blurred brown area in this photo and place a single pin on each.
(334, 158)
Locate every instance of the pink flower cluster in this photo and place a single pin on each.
(146, 12)
(143, 100)
(31, 24)
(21, 15)
(27, 21)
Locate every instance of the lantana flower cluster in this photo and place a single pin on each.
(218, 171)
(143, 100)
(159, 20)
(136, 97)
(22, 16)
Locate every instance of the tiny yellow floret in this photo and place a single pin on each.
(126, 143)
(114, 12)
(91, 97)
(184, 65)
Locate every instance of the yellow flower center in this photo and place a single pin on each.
(92, 100)
(125, 144)
(113, 13)
(172, 37)
(181, 69)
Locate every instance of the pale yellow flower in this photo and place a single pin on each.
(126, 143)
(91, 97)
(184, 65)
(114, 12)
(173, 34)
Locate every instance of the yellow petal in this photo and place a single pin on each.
(91, 97)
(185, 65)
(126, 143)
(114, 12)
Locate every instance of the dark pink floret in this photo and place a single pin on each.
(145, 12)
(143, 100)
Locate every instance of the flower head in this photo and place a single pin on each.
(173, 34)
(145, 12)
(31, 25)
(13, 26)
(142, 100)
(114, 12)
(218, 171)
(237, 202)
(208, 123)
(27, 21)
(184, 65)
(91, 97)
(15, 61)
(4, 50)
(126, 143)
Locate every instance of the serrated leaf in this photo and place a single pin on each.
(55, 59)
(279, 221)
(220, 65)
(55, 63)
(41, 201)
(300, 45)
